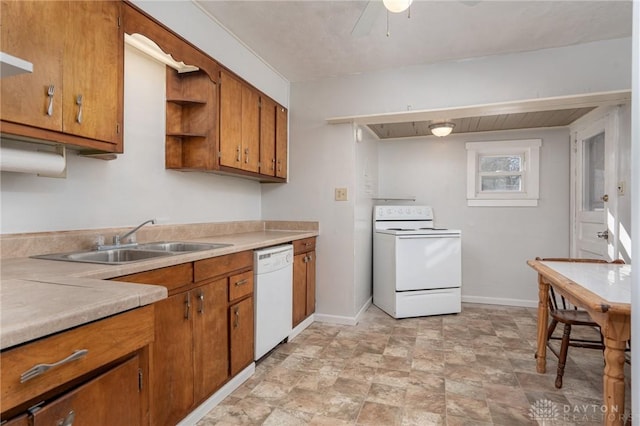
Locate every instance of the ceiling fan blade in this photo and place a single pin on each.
(367, 18)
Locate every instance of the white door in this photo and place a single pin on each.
(594, 190)
(428, 262)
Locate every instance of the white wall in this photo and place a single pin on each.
(635, 200)
(136, 186)
(323, 156)
(366, 188)
(496, 241)
(132, 188)
(195, 25)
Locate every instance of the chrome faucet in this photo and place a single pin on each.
(118, 238)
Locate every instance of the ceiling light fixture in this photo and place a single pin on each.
(397, 6)
(441, 129)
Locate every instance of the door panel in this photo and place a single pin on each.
(95, 81)
(424, 262)
(110, 399)
(31, 31)
(592, 201)
(211, 342)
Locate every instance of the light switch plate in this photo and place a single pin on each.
(341, 194)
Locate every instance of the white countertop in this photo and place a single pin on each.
(611, 282)
(40, 297)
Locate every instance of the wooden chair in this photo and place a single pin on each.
(561, 311)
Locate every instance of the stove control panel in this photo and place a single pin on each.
(402, 213)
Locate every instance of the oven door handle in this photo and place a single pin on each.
(415, 237)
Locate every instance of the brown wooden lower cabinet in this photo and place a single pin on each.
(304, 280)
(204, 334)
(242, 349)
(110, 399)
(105, 384)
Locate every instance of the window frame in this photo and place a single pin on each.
(527, 196)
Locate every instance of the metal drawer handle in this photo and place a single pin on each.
(39, 369)
(50, 92)
(241, 282)
(79, 103)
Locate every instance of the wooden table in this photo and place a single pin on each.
(603, 290)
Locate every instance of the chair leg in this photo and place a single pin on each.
(552, 328)
(562, 359)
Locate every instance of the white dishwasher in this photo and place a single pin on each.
(273, 278)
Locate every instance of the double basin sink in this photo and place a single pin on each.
(118, 256)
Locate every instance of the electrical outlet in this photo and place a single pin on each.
(341, 194)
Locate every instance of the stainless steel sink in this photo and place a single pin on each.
(112, 257)
(117, 256)
(176, 246)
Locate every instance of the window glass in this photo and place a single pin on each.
(593, 164)
(500, 163)
(501, 183)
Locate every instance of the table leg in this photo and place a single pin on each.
(613, 381)
(543, 319)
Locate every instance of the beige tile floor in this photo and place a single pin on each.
(474, 368)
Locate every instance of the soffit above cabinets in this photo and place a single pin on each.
(529, 114)
(487, 123)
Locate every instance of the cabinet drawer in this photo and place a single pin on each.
(305, 245)
(221, 265)
(240, 285)
(171, 277)
(105, 341)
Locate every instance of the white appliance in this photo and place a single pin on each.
(417, 269)
(273, 302)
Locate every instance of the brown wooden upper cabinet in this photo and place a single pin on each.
(75, 93)
(273, 138)
(239, 124)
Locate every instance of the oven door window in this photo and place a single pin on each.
(428, 262)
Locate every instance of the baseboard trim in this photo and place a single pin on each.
(300, 327)
(339, 319)
(500, 301)
(217, 397)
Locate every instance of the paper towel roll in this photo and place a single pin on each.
(46, 163)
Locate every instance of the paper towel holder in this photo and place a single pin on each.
(62, 151)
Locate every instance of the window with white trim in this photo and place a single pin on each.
(503, 173)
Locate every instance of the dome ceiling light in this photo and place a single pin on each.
(397, 6)
(441, 129)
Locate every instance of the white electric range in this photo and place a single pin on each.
(417, 269)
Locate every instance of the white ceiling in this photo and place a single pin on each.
(306, 40)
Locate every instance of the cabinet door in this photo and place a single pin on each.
(299, 288)
(113, 398)
(211, 340)
(267, 137)
(172, 360)
(93, 70)
(281, 141)
(241, 335)
(311, 283)
(34, 31)
(22, 420)
(230, 121)
(250, 129)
